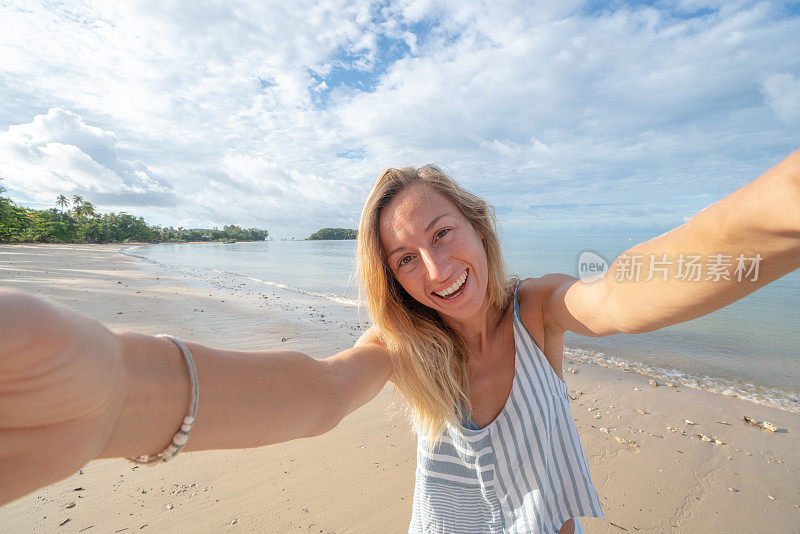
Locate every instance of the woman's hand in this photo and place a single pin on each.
(62, 387)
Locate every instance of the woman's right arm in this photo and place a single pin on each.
(71, 391)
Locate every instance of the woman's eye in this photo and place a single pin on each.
(404, 260)
(441, 233)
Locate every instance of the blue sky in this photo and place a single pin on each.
(586, 116)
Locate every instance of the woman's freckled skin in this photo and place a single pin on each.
(427, 259)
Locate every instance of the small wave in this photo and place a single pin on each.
(189, 272)
(321, 294)
(730, 387)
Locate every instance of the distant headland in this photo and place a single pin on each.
(333, 233)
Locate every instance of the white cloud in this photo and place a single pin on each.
(252, 113)
(58, 153)
(782, 93)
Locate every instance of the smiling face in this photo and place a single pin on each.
(434, 252)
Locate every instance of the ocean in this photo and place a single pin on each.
(749, 349)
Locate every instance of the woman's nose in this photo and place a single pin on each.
(436, 264)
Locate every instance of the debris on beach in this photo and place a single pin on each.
(627, 442)
(572, 370)
(733, 490)
(641, 412)
(170, 507)
(752, 422)
(656, 435)
(72, 505)
(604, 429)
(764, 425)
(709, 439)
(637, 389)
(653, 383)
(724, 423)
(689, 422)
(669, 384)
(772, 498)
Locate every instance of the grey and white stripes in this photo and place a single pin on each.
(524, 472)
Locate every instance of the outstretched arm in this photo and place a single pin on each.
(694, 265)
(72, 391)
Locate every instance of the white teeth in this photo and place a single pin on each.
(453, 288)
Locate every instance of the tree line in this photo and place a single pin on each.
(80, 223)
(334, 233)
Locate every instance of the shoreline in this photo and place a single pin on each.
(771, 396)
(359, 477)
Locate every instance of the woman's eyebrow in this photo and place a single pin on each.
(434, 221)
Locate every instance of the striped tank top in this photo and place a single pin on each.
(524, 472)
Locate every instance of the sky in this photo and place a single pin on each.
(598, 117)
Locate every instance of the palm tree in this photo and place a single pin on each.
(62, 201)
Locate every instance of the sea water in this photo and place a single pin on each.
(749, 349)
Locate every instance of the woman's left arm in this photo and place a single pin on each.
(728, 250)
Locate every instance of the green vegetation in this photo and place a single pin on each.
(82, 224)
(334, 233)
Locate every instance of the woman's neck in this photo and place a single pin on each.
(478, 331)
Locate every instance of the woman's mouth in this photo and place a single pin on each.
(455, 289)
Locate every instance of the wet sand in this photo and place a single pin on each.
(359, 477)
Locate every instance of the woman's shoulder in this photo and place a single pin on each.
(372, 341)
(532, 295)
(371, 337)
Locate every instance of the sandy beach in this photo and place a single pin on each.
(651, 470)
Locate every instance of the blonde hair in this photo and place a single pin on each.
(429, 359)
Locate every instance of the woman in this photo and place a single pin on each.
(476, 357)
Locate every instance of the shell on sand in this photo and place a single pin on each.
(669, 384)
(769, 426)
(653, 383)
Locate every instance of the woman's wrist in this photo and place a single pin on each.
(154, 397)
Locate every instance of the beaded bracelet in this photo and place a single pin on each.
(178, 440)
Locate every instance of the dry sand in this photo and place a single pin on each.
(359, 477)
